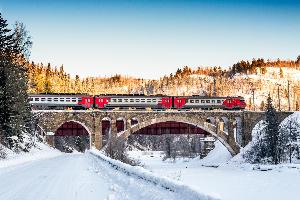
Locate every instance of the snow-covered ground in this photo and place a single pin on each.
(41, 151)
(228, 181)
(48, 174)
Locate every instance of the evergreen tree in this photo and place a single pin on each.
(262, 105)
(266, 147)
(272, 132)
(15, 114)
(298, 59)
(281, 72)
(77, 87)
(48, 85)
(289, 140)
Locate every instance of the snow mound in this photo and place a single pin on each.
(183, 191)
(219, 155)
(40, 151)
(239, 159)
(295, 116)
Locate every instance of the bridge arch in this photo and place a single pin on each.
(106, 127)
(73, 134)
(121, 124)
(133, 121)
(233, 148)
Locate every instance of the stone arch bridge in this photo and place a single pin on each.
(221, 124)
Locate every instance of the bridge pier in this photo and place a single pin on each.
(230, 136)
(128, 124)
(98, 134)
(113, 128)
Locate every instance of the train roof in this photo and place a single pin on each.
(61, 93)
(56, 94)
(209, 97)
(129, 95)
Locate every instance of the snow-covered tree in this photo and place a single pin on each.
(265, 146)
(272, 133)
(15, 114)
(289, 140)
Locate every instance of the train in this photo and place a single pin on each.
(138, 102)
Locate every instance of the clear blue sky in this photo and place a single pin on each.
(152, 38)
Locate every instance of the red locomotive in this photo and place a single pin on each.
(157, 102)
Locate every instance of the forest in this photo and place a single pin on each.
(250, 79)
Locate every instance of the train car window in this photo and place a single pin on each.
(114, 100)
(202, 101)
(119, 100)
(43, 99)
(79, 99)
(61, 99)
(191, 101)
(131, 100)
(153, 100)
(207, 101)
(126, 100)
(37, 99)
(143, 100)
(73, 99)
(55, 99)
(197, 101)
(31, 99)
(137, 100)
(213, 101)
(67, 99)
(218, 101)
(49, 99)
(149, 100)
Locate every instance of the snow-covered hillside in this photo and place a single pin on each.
(273, 79)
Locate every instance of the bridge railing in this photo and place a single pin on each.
(183, 191)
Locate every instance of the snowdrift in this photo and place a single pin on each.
(219, 155)
(40, 151)
(184, 191)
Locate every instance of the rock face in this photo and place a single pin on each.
(232, 128)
